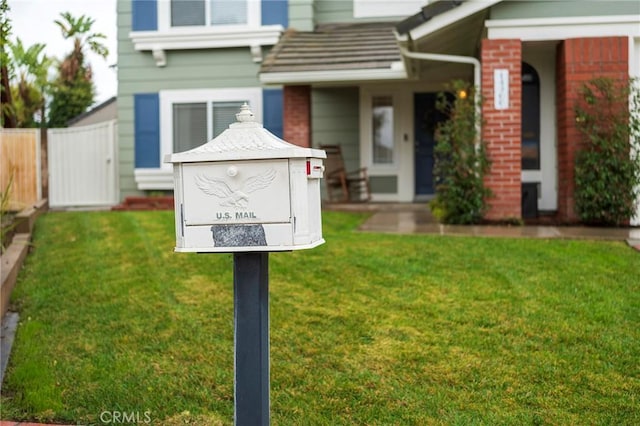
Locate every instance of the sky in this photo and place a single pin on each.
(32, 22)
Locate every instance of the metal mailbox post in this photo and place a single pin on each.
(248, 192)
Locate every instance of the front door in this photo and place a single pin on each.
(426, 119)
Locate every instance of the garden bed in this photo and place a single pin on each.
(15, 247)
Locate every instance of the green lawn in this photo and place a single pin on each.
(367, 329)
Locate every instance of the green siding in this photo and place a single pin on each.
(335, 121)
(328, 11)
(185, 69)
(332, 11)
(553, 9)
(301, 15)
(384, 184)
(125, 104)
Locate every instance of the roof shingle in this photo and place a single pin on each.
(334, 47)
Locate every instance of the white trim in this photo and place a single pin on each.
(403, 152)
(634, 71)
(153, 179)
(542, 59)
(443, 20)
(386, 8)
(169, 97)
(162, 177)
(254, 14)
(395, 72)
(563, 28)
(205, 37)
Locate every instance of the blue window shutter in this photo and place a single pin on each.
(146, 130)
(275, 12)
(272, 111)
(144, 15)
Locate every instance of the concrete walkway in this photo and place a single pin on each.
(416, 218)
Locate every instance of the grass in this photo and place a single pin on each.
(366, 329)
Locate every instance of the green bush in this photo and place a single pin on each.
(607, 167)
(461, 160)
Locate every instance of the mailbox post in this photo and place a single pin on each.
(248, 192)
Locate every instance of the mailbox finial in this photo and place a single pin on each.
(245, 114)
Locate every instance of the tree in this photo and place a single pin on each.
(607, 167)
(461, 160)
(30, 84)
(7, 116)
(73, 91)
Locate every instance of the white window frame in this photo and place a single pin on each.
(162, 177)
(252, 34)
(254, 11)
(366, 147)
(634, 71)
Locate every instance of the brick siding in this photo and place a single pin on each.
(502, 128)
(297, 115)
(580, 60)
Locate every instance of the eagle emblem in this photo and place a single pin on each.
(237, 198)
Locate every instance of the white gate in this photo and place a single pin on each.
(82, 165)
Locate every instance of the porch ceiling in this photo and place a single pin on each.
(461, 38)
(445, 27)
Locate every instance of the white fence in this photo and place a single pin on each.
(83, 165)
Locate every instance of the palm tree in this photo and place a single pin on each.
(7, 116)
(30, 72)
(74, 91)
(80, 30)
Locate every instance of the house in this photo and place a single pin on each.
(364, 74)
(184, 69)
(102, 112)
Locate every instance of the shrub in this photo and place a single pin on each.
(461, 160)
(607, 167)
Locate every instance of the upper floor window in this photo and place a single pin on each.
(186, 13)
(162, 25)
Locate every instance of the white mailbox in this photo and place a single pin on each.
(247, 190)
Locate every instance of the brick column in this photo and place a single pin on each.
(297, 115)
(502, 128)
(578, 61)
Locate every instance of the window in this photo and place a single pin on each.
(206, 24)
(382, 129)
(208, 12)
(190, 118)
(193, 125)
(530, 118)
(189, 126)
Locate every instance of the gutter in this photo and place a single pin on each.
(437, 57)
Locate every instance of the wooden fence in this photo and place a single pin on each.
(20, 161)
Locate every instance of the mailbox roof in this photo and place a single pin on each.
(244, 140)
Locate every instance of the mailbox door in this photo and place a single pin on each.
(236, 192)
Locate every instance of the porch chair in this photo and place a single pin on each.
(344, 186)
